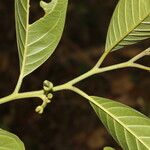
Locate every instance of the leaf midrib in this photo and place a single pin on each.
(134, 27)
(117, 120)
(26, 41)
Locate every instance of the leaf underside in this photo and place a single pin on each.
(108, 148)
(9, 141)
(36, 42)
(128, 127)
(130, 24)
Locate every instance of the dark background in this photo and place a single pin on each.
(69, 122)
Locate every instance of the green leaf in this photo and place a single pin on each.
(130, 24)
(128, 127)
(36, 42)
(9, 141)
(108, 148)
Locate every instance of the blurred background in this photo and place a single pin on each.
(69, 123)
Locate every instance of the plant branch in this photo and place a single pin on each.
(88, 74)
(139, 56)
(15, 96)
(97, 70)
(39, 94)
(79, 92)
(135, 65)
(70, 85)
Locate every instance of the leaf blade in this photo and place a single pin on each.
(42, 37)
(108, 148)
(21, 19)
(129, 128)
(10, 141)
(130, 24)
